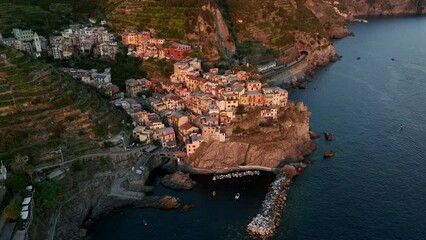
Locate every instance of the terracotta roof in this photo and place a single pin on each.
(186, 126)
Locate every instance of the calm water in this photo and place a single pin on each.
(375, 186)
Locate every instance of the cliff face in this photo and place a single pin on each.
(263, 146)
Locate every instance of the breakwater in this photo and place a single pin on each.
(268, 219)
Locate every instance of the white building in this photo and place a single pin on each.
(23, 35)
(193, 144)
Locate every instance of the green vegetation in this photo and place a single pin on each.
(156, 142)
(170, 18)
(271, 22)
(162, 66)
(12, 211)
(147, 93)
(15, 183)
(50, 193)
(240, 110)
(265, 124)
(122, 68)
(44, 16)
(34, 121)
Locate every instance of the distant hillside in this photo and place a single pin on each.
(258, 29)
(42, 109)
(45, 16)
(194, 21)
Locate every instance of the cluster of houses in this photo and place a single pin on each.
(197, 105)
(77, 38)
(141, 44)
(101, 81)
(227, 91)
(83, 39)
(26, 40)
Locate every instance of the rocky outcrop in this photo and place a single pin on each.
(320, 50)
(178, 180)
(328, 136)
(260, 146)
(385, 7)
(93, 203)
(329, 154)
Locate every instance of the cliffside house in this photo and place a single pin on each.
(167, 137)
(269, 113)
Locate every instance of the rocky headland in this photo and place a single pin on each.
(254, 142)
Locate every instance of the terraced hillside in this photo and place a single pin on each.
(225, 27)
(194, 21)
(42, 109)
(44, 16)
(273, 22)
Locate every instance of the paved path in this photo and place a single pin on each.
(136, 151)
(3, 218)
(233, 169)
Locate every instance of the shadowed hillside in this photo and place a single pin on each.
(42, 109)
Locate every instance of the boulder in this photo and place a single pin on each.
(178, 180)
(186, 207)
(290, 170)
(328, 154)
(328, 136)
(314, 135)
(169, 202)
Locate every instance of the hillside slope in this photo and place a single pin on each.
(384, 7)
(42, 109)
(260, 30)
(193, 21)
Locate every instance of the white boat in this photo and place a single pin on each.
(214, 193)
(360, 20)
(237, 196)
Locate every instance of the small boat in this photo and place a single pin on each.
(145, 222)
(237, 196)
(214, 178)
(214, 193)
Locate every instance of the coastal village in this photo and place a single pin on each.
(178, 115)
(108, 108)
(193, 105)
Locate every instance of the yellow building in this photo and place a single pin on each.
(243, 100)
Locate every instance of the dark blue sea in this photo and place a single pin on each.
(375, 186)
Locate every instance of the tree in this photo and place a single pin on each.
(50, 193)
(15, 183)
(240, 110)
(157, 142)
(12, 211)
(18, 163)
(29, 169)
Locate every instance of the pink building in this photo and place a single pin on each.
(254, 86)
(167, 137)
